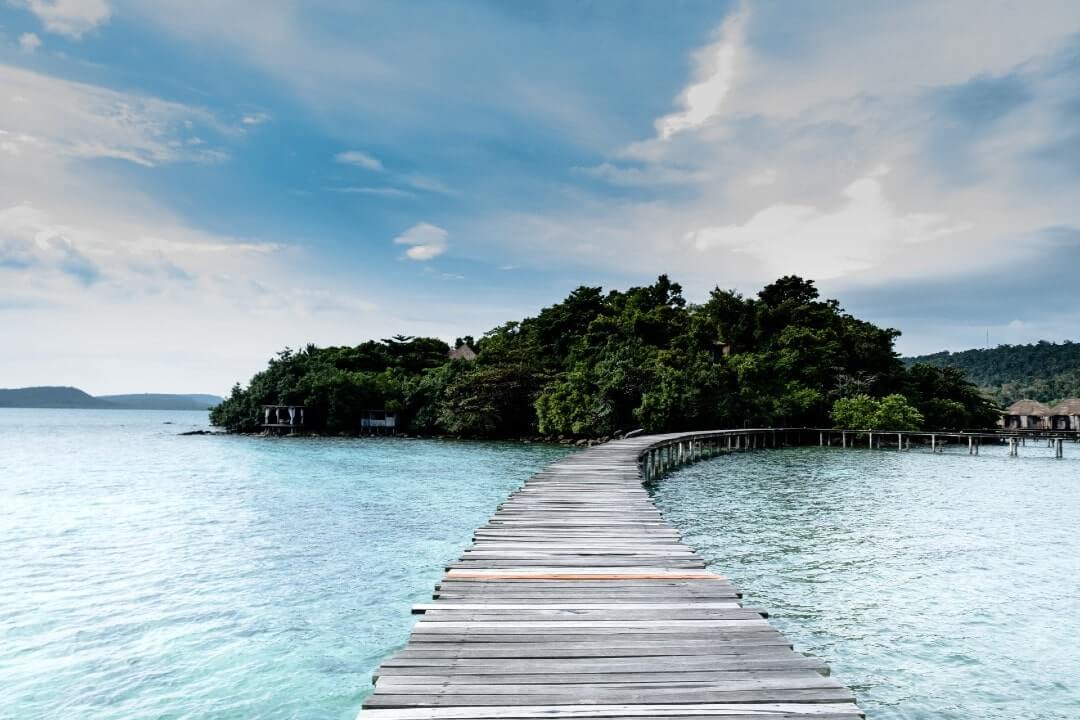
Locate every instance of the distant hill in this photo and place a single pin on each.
(51, 397)
(160, 401)
(1043, 371)
(70, 397)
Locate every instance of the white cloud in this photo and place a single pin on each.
(359, 159)
(765, 168)
(69, 17)
(426, 184)
(85, 249)
(426, 241)
(257, 118)
(766, 176)
(649, 175)
(366, 161)
(716, 67)
(859, 235)
(29, 42)
(47, 115)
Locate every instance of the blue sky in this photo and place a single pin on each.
(187, 187)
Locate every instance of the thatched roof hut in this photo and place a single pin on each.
(1031, 408)
(1026, 415)
(462, 352)
(1070, 407)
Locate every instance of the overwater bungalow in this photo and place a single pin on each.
(1065, 415)
(1026, 415)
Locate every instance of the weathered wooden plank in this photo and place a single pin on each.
(486, 695)
(496, 605)
(771, 711)
(545, 671)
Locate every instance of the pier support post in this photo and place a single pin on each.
(871, 441)
(971, 446)
(933, 443)
(1059, 449)
(843, 440)
(899, 442)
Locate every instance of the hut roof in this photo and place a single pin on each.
(1070, 406)
(1027, 407)
(462, 352)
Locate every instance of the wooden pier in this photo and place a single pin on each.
(577, 600)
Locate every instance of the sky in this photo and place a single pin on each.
(188, 186)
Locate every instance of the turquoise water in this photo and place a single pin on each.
(936, 586)
(148, 575)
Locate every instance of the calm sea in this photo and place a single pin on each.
(148, 575)
(937, 586)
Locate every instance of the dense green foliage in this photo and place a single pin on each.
(598, 363)
(1044, 371)
(862, 412)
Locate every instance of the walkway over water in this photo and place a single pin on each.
(577, 600)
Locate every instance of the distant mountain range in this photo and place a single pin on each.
(1043, 371)
(70, 397)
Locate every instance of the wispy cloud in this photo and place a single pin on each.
(425, 241)
(29, 42)
(254, 118)
(426, 184)
(68, 17)
(389, 192)
(44, 114)
(359, 159)
(716, 67)
(366, 161)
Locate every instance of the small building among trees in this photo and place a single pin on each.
(283, 417)
(462, 352)
(1065, 415)
(377, 422)
(1026, 415)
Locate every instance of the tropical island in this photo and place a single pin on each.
(600, 363)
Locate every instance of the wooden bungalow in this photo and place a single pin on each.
(1065, 415)
(1026, 415)
(378, 422)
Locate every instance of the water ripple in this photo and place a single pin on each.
(148, 575)
(937, 586)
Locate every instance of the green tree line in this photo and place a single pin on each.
(598, 363)
(1044, 371)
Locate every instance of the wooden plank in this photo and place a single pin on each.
(772, 711)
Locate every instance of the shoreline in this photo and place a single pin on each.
(562, 441)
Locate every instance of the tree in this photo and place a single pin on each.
(862, 412)
(599, 362)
